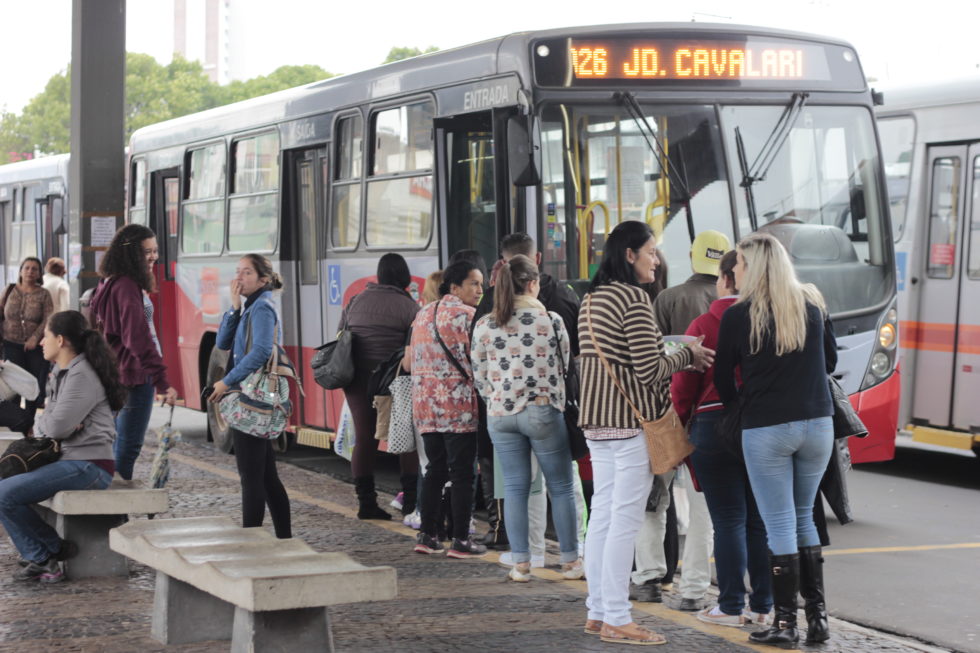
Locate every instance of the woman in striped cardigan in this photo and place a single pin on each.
(617, 318)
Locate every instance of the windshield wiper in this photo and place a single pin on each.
(769, 151)
(633, 108)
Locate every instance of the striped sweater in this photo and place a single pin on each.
(627, 332)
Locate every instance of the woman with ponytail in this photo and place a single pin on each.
(83, 391)
(122, 308)
(519, 351)
(252, 308)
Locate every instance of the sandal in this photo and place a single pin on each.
(631, 633)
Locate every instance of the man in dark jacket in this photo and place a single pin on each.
(555, 296)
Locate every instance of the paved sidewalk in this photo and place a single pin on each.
(443, 605)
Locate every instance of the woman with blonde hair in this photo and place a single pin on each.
(780, 338)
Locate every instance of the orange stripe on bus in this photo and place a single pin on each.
(937, 336)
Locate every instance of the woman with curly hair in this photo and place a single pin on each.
(121, 304)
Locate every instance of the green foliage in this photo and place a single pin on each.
(397, 53)
(154, 93)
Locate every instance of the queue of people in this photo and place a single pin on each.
(489, 354)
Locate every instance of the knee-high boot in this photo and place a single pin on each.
(785, 570)
(367, 499)
(811, 589)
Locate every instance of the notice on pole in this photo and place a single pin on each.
(103, 229)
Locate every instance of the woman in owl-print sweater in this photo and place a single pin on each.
(519, 353)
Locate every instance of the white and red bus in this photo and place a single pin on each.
(561, 133)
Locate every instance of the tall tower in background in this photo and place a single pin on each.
(201, 33)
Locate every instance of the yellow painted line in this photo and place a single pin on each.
(899, 549)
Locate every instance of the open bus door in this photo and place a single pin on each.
(164, 212)
(947, 333)
(305, 215)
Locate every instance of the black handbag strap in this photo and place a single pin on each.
(449, 354)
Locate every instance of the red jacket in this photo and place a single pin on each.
(694, 392)
(118, 304)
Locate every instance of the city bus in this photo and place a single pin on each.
(930, 142)
(561, 133)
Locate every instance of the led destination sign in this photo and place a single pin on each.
(749, 60)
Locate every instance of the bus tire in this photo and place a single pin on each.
(216, 369)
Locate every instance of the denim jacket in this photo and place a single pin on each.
(232, 334)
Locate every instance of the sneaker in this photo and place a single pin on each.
(520, 573)
(507, 560)
(757, 618)
(466, 549)
(398, 502)
(573, 570)
(413, 520)
(52, 572)
(689, 605)
(425, 543)
(714, 615)
(648, 592)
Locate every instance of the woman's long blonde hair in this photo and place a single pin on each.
(777, 297)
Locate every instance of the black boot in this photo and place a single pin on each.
(410, 489)
(367, 499)
(811, 589)
(785, 570)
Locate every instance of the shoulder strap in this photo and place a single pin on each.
(449, 354)
(561, 358)
(605, 363)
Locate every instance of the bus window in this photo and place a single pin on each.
(399, 210)
(202, 223)
(346, 208)
(252, 211)
(943, 217)
(472, 198)
(28, 236)
(897, 136)
(973, 269)
(137, 182)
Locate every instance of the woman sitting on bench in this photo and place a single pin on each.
(83, 390)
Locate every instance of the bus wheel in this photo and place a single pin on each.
(220, 436)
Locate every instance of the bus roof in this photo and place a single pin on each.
(43, 167)
(494, 57)
(930, 94)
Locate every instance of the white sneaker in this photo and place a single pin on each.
(757, 618)
(519, 576)
(714, 615)
(413, 520)
(397, 502)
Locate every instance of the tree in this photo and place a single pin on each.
(281, 78)
(399, 53)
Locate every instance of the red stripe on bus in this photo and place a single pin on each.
(933, 336)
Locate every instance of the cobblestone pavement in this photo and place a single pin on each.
(443, 604)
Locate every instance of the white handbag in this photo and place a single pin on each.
(401, 428)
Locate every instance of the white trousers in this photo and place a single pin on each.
(622, 480)
(699, 541)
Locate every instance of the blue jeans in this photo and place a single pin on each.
(34, 538)
(131, 423)
(540, 429)
(740, 535)
(786, 463)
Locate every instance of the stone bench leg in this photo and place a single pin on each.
(183, 614)
(282, 631)
(91, 534)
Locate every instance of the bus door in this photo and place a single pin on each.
(307, 172)
(947, 333)
(475, 210)
(50, 214)
(164, 212)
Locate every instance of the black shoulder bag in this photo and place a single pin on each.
(27, 454)
(576, 436)
(449, 354)
(333, 363)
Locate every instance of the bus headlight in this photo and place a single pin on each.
(886, 335)
(881, 364)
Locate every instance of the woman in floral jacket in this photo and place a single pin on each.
(444, 406)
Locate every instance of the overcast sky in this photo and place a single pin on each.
(930, 40)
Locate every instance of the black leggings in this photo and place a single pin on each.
(260, 484)
(452, 457)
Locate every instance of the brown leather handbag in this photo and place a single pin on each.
(667, 441)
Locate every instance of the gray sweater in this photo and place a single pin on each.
(77, 413)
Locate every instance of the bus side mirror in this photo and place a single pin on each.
(523, 151)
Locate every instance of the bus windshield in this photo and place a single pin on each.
(820, 196)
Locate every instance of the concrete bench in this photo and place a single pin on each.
(217, 580)
(86, 516)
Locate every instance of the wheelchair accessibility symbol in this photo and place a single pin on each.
(335, 295)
